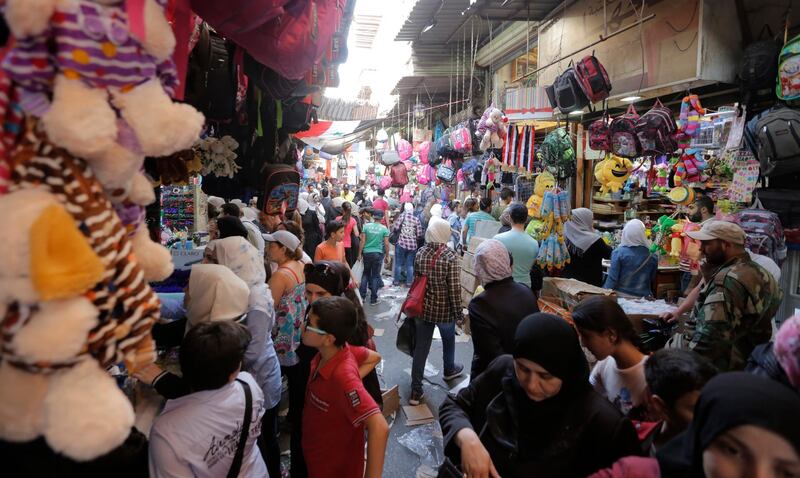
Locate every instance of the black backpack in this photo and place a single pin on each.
(211, 81)
(758, 67)
(569, 94)
(778, 141)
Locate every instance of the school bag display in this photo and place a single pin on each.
(764, 233)
(557, 153)
(404, 149)
(211, 77)
(446, 173)
(600, 134)
(389, 158)
(759, 65)
(624, 140)
(777, 137)
(788, 84)
(593, 79)
(569, 95)
(656, 130)
(282, 189)
(399, 175)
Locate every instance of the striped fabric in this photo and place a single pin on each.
(128, 307)
(90, 43)
(518, 152)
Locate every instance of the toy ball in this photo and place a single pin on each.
(681, 195)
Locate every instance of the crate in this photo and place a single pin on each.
(555, 306)
(468, 262)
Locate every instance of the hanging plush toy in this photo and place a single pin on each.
(689, 120)
(543, 183)
(612, 173)
(218, 156)
(491, 129)
(662, 175)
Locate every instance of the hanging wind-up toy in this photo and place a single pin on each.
(553, 253)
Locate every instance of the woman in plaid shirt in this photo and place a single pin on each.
(442, 305)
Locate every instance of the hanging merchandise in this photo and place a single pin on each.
(404, 150)
(593, 79)
(491, 129)
(600, 134)
(490, 172)
(381, 136)
(82, 278)
(218, 156)
(399, 175)
(689, 167)
(612, 172)
(745, 179)
(518, 152)
(544, 182)
(624, 140)
(689, 120)
(461, 139)
(764, 233)
(45, 62)
(553, 252)
(568, 92)
(341, 162)
(662, 169)
(557, 154)
(389, 158)
(211, 80)
(446, 173)
(282, 189)
(788, 84)
(656, 130)
(758, 67)
(778, 141)
(424, 151)
(681, 195)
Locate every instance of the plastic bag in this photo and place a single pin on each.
(358, 270)
(427, 442)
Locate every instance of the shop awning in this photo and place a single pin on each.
(333, 137)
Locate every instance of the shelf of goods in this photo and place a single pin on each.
(178, 208)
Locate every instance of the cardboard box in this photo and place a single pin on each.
(468, 281)
(391, 400)
(467, 262)
(474, 242)
(571, 291)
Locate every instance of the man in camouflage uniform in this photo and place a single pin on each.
(737, 301)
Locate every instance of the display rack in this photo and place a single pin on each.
(178, 208)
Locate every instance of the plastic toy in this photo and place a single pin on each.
(612, 173)
(543, 183)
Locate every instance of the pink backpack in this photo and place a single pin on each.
(424, 149)
(461, 140)
(600, 134)
(386, 182)
(289, 40)
(404, 149)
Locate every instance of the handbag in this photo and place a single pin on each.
(236, 465)
(446, 173)
(406, 336)
(414, 305)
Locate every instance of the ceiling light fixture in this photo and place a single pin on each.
(429, 26)
(630, 99)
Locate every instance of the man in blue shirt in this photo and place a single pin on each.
(483, 215)
(523, 248)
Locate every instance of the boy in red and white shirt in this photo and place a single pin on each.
(338, 408)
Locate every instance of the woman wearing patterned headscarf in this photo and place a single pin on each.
(495, 313)
(780, 359)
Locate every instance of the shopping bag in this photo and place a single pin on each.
(358, 270)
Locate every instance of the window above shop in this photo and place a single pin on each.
(525, 63)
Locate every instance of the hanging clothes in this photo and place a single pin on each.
(518, 152)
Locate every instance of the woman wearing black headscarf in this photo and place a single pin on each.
(744, 426)
(230, 226)
(534, 413)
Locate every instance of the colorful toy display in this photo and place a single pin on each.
(612, 173)
(544, 182)
(553, 252)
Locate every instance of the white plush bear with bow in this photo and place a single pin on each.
(491, 129)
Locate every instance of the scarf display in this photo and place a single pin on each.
(518, 152)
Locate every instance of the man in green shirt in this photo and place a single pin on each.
(468, 229)
(506, 198)
(374, 245)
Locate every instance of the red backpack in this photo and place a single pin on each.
(600, 134)
(399, 175)
(656, 130)
(624, 140)
(592, 78)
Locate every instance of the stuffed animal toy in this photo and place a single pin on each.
(86, 74)
(689, 120)
(73, 301)
(543, 183)
(612, 173)
(491, 129)
(662, 176)
(218, 156)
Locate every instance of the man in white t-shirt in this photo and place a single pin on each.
(198, 435)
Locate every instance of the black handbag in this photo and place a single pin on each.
(395, 235)
(406, 336)
(236, 465)
(446, 173)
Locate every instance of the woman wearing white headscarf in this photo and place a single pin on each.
(633, 268)
(586, 247)
(495, 313)
(442, 304)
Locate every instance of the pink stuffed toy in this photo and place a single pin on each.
(491, 129)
